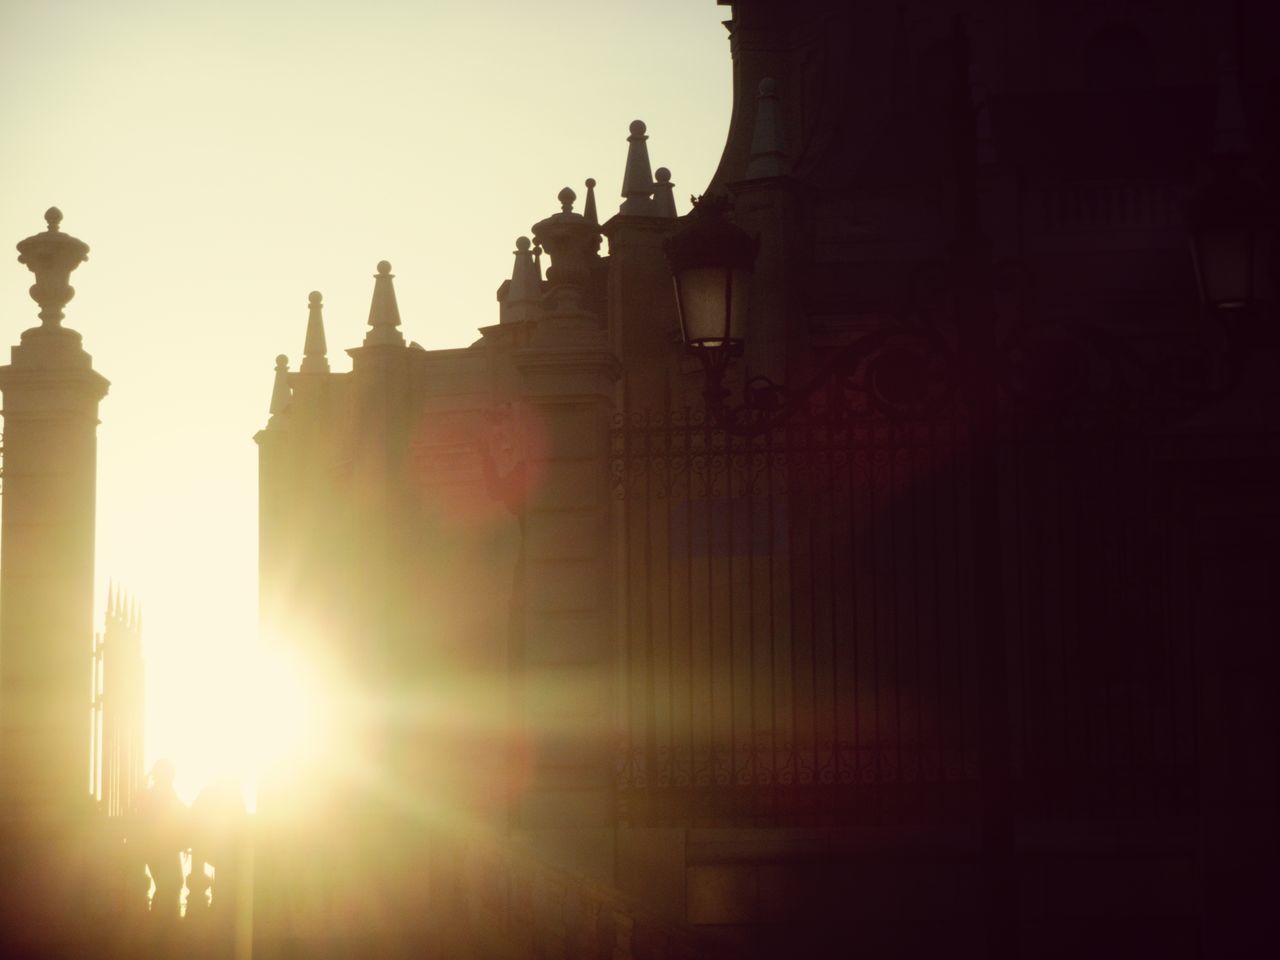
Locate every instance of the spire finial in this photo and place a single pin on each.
(384, 314)
(768, 158)
(281, 393)
(637, 178)
(1230, 134)
(984, 144)
(664, 198)
(589, 207)
(51, 256)
(524, 292)
(314, 350)
(111, 598)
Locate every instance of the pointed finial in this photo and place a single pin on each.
(524, 292)
(110, 598)
(51, 256)
(537, 260)
(964, 140)
(899, 56)
(589, 207)
(984, 144)
(1230, 134)
(314, 350)
(637, 178)
(384, 314)
(664, 198)
(768, 158)
(566, 198)
(281, 394)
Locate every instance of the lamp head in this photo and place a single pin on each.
(711, 261)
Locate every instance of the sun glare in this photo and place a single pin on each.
(271, 719)
(285, 731)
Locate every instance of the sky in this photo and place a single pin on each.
(224, 159)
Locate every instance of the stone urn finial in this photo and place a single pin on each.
(572, 241)
(51, 256)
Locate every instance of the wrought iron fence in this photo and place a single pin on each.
(799, 628)
(506, 902)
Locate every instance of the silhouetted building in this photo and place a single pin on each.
(968, 647)
(119, 707)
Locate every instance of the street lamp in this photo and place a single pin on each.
(899, 369)
(1231, 223)
(906, 369)
(711, 261)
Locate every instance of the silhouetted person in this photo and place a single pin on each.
(218, 824)
(159, 830)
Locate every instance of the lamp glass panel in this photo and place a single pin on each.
(1263, 279)
(702, 293)
(1225, 264)
(740, 296)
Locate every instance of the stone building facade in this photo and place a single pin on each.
(988, 675)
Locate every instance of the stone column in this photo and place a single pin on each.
(566, 651)
(51, 394)
(643, 320)
(52, 892)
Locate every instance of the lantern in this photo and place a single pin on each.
(1231, 225)
(711, 262)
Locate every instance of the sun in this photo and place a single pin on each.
(244, 713)
(286, 730)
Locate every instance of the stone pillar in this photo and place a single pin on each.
(566, 651)
(54, 889)
(51, 394)
(644, 324)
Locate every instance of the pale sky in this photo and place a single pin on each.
(224, 159)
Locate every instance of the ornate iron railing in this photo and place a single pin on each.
(799, 632)
(504, 902)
